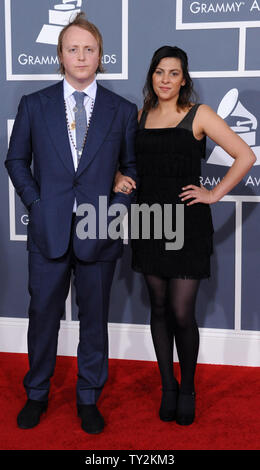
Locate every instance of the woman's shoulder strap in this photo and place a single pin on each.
(186, 123)
(143, 119)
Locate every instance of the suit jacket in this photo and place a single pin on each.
(40, 140)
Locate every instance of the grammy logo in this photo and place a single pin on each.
(245, 127)
(58, 18)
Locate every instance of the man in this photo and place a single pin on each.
(77, 134)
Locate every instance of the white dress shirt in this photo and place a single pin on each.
(89, 99)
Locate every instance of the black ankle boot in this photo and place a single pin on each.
(185, 413)
(168, 406)
(30, 415)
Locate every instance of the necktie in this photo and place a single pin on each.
(80, 121)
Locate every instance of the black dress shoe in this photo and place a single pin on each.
(168, 406)
(92, 421)
(185, 413)
(30, 415)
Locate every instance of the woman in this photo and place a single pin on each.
(170, 143)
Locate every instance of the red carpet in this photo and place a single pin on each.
(228, 409)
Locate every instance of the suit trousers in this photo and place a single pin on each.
(49, 283)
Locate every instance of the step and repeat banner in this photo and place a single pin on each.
(222, 40)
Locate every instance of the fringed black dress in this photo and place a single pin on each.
(167, 160)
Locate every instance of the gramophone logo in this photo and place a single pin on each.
(31, 39)
(58, 18)
(245, 125)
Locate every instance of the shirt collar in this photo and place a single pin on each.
(90, 90)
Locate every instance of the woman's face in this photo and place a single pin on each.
(168, 78)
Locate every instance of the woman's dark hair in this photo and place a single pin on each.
(186, 91)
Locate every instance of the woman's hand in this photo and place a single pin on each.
(123, 184)
(199, 194)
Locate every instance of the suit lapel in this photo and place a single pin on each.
(102, 117)
(54, 112)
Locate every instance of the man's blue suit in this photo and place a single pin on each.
(49, 190)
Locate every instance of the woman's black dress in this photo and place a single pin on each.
(167, 160)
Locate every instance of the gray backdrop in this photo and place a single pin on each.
(222, 41)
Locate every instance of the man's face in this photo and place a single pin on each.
(80, 57)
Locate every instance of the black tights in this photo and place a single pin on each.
(173, 316)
